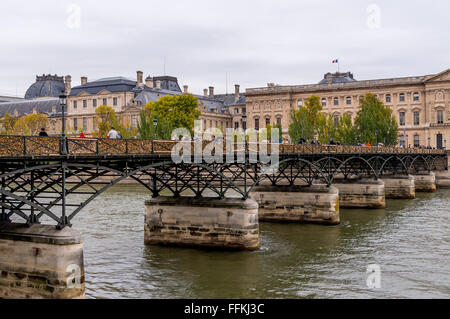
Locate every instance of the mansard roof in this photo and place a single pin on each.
(43, 105)
(111, 84)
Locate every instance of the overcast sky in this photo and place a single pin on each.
(254, 42)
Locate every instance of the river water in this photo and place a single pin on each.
(409, 240)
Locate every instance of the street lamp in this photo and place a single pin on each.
(63, 103)
(376, 138)
(155, 125)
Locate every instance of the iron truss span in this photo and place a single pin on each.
(39, 182)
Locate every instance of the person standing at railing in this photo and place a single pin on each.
(112, 134)
(82, 135)
(43, 133)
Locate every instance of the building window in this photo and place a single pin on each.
(279, 120)
(388, 98)
(268, 121)
(133, 121)
(402, 97)
(216, 125)
(440, 117)
(336, 120)
(416, 97)
(236, 111)
(210, 123)
(300, 103)
(244, 110)
(115, 101)
(236, 125)
(416, 118)
(204, 124)
(257, 124)
(402, 118)
(84, 103)
(105, 102)
(324, 102)
(416, 141)
(75, 124)
(349, 100)
(75, 104)
(84, 124)
(336, 101)
(94, 102)
(360, 100)
(402, 141)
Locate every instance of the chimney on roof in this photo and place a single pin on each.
(205, 92)
(211, 92)
(158, 85)
(237, 94)
(185, 88)
(149, 82)
(140, 78)
(83, 80)
(68, 84)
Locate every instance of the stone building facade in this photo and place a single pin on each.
(420, 104)
(128, 97)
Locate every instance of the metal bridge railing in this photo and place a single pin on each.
(18, 146)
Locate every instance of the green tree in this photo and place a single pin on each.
(373, 116)
(146, 128)
(280, 130)
(7, 122)
(313, 107)
(30, 124)
(301, 126)
(106, 119)
(346, 132)
(305, 121)
(327, 129)
(180, 111)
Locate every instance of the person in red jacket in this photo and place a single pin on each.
(82, 135)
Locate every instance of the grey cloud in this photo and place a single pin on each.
(254, 42)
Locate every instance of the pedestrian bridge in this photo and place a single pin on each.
(195, 202)
(41, 177)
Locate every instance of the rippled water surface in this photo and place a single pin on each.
(409, 240)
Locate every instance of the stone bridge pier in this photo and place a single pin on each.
(443, 179)
(361, 193)
(40, 262)
(425, 182)
(316, 204)
(206, 222)
(399, 186)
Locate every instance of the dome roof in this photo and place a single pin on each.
(337, 77)
(46, 86)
